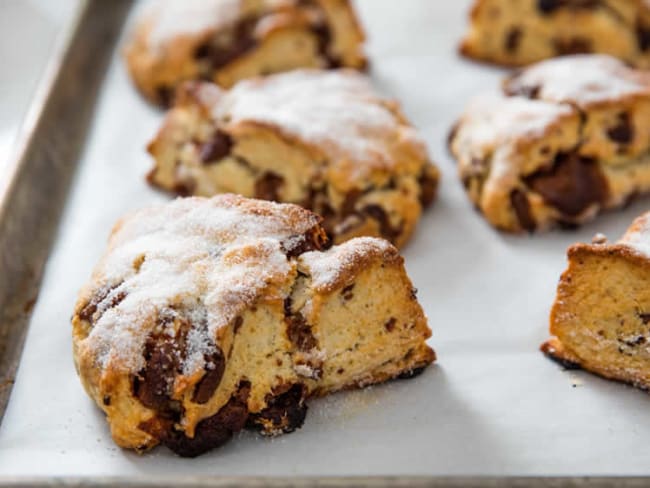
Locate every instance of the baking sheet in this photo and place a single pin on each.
(492, 405)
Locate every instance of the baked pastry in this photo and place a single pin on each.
(521, 32)
(324, 140)
(228, 40)
(600, 318)
(208, 315)
(567, 138)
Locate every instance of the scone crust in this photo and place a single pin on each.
(228, 40)
(511, 34)
(324, 140)
(564, 140)
(208, 315)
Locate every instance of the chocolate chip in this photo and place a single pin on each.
(574, 45)
(643, 37)
(548, 6)
(106, 400)
(215, 149)
(165, 96)
(428, 187)
(324, 36)
(386, 229)
(622, 132)
(285, 412)
(237, 324)
(350, 202)
(243, 40)
(390, 324)
(267, 186)
(207, 385)
(645, 318)
(550, 352)
(411, 373)
(513, 39)
(512, 89)
(346, 292)
(298, 331)
(312, 240)
(98, 300)
(184, 188)
(571, 185)
(209, 433)
(521, 206)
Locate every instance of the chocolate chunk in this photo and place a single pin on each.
(350, 202)
(106, 400)
(237, 324)
(324, 36)
(643, 37)
(242, 41)
(428, 187)
(622, 132)
(207, 385)
(87, 313)
(298, 331)
(346, 292)
(217, 148)
(184, 188)
(285, 412)
(574, 45)
(390, 324)
(550, 6)
(513, 39)
(385, 227)
(645, 318)
(550, 352)
(267, 186)
(521, 206)
(411, 373)
(571, 185)
(211, 432)
(165, 96)
(313, 240)
(513, 89)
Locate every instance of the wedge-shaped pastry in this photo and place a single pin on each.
(566, 139)
(208, 315)
(228, 40)
(601, 317)
(521, 32)
(324, 140)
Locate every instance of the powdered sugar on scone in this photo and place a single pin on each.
(638, 235)
(337, 112)
(582, 80)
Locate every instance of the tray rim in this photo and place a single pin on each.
(65, 42)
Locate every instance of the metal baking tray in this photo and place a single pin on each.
(492, 412)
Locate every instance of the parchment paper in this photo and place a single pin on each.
(492, 405)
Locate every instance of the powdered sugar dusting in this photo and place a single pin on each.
(171, 18)
(638, 235)
(491, 120)
(583, 79)
(327, 269)
(203, 260)
(337, 111)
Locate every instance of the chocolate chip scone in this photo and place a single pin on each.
(208, 315)
(566, 139)
(521, 32)
(324, 140)
(601, 316)
(228, 40)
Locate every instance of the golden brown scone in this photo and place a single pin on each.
(228, 40)
(321, 139)
(601, 316)
(521, 32)
(208, 315)
(566, 139)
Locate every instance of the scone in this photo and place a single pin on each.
(228, 40)
(521, 32)
(600, 320)
(566, 139)
(321, 139)
(208, 315)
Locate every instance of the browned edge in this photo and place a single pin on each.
(333, 482)
(34, 188)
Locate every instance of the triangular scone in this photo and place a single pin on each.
(601, 317)
(228, 40)
(520, 32)
(207, 315)
(324, 140)
(564, 140)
